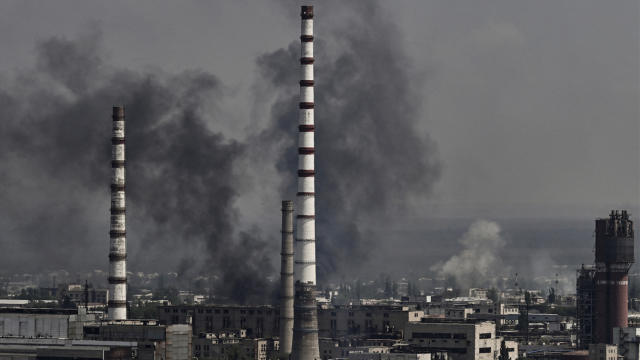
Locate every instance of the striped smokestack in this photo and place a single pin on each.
(306, 231)
(286, 281)
(305, 328)
(117, 248)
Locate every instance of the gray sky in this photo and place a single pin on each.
(533, 105)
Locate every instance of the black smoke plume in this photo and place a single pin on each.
(182, 173)
(370, 157)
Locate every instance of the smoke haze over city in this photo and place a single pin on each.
(441, 126)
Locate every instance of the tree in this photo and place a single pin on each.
(504, 354)
(551, 299)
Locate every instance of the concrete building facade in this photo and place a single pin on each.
(35, 323)
(471, 340)
(628, 342)
(367, 321)
(258, 321)
(603, 352)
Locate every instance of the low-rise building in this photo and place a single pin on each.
(461, 340)
(29, 349)
(258, 321)
(628, 342)
(224, 346)
(35, 322)
(603, 352)
(154, 341)
(365, 321)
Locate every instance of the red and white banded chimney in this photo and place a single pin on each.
(117, 249)
(305, 262)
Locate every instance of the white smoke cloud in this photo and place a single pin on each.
(479, 262)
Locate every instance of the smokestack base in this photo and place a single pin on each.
(305, 325)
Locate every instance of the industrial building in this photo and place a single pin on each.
(154, 341)
(603, 352)
(468, 340)
(585, 289)
(79, 294)
(603, 290)
(220, 346)
(628, 342)
(35, 322)
(258, 321)
(365, 321)
(614, 257)
(43, 348)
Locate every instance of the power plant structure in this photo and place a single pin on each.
(585, 289)
(614, 257)
(117, 302)
(305, 329)
(286, 281)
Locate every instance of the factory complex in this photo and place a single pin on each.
(405, 321)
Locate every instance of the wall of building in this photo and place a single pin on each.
(210, 348)
(628, 342)
(462, 341)
(259, 321)
(34, 325)
(178, 344)
(365, 321)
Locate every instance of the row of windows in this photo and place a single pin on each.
(217, 311)
(485, 350)
(352, 314)
(421, 335)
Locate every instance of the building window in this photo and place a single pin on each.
(485, 350)
(485, 336)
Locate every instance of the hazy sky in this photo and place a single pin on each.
(533, 106)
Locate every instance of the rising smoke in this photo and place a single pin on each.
(479, 262)
(182, 171)
(370, 160)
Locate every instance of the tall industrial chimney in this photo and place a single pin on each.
(286, 281)
(117, 233)
(305, 328)
(614, 257)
